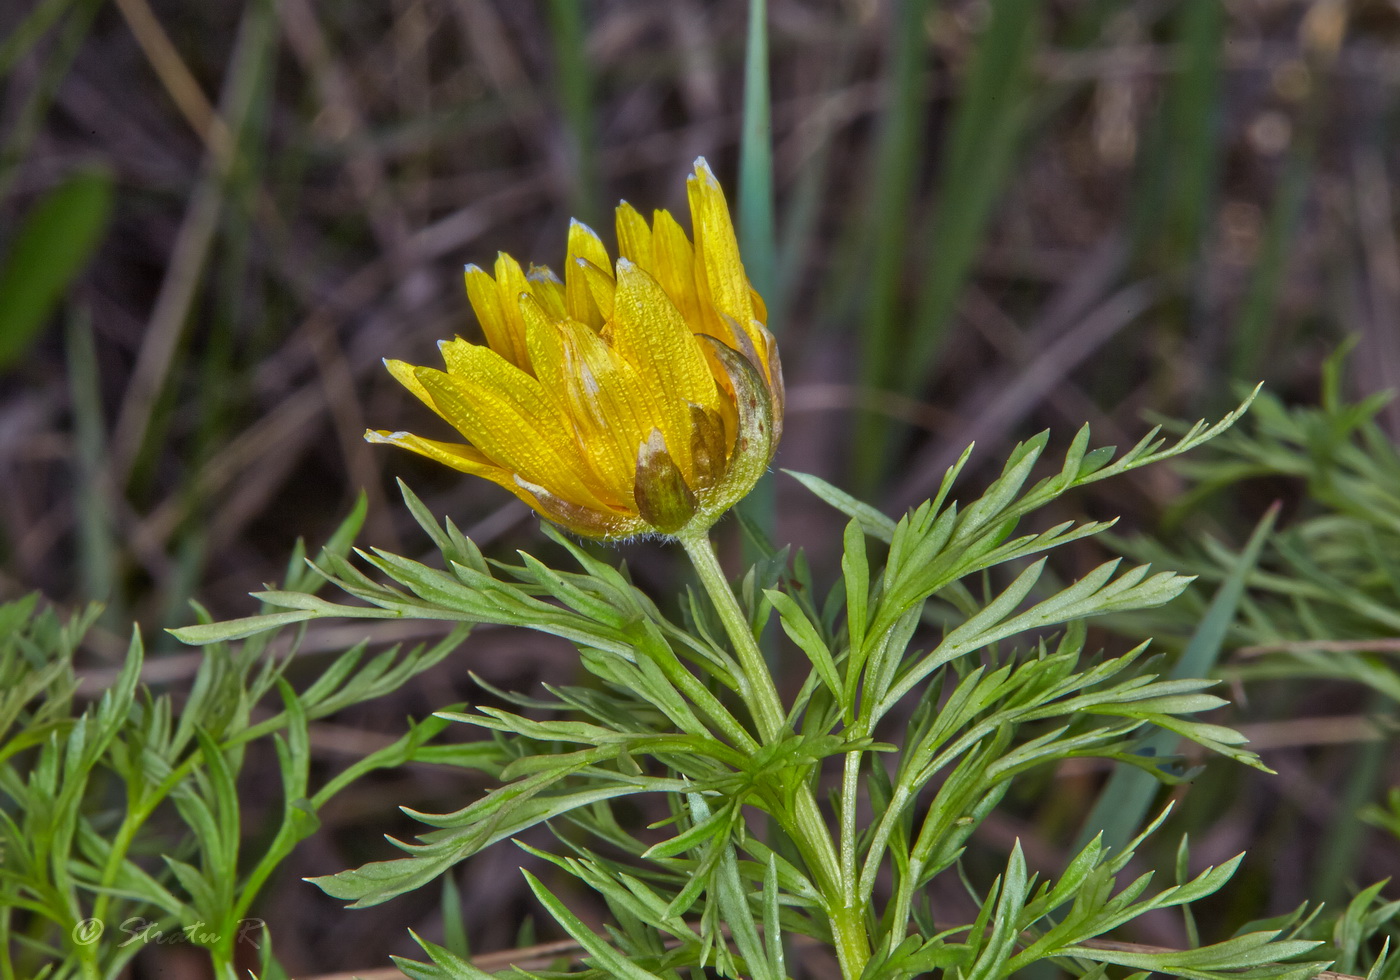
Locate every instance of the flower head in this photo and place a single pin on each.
(639, 397)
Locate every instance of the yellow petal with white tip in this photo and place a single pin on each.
(510, 284)
(453, 454)
(633, 236)
(601, 286)
(719, 274)
(675, 268)
(548, 290)
(501, 411)
(486, 304)
(585, 245)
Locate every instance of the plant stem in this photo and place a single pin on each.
(760, 693)
(844, 909)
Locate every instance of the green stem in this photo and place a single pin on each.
(850, 795)
(809, 831)
(759, 692)
(136, 814)
(87, 955)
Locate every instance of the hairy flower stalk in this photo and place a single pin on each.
(641, 397)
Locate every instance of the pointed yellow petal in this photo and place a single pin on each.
(502, 411)
(633, 236)
(760, 308)
(584, 243)
(510, 283)
(546, 287)
(453, 454)
(578, 369)
(675, 268)
(719, 274)
(403, 374)
(582, 520)
(649, 331)
(546, 354)
(455, 354)
(486, 302)
(601, 286)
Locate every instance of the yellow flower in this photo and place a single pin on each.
(641, 397)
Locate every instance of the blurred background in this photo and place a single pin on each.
(971, 220)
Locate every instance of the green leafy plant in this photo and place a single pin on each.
(1318, 611)
(918, 745)
(92, 793)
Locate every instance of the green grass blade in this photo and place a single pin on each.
(454, 926)
(988, 125)
(896, 157)
(757, 241)
(1124, 803)
(96, 537)
(146, 412)
(799, 237)
(574, 80)
(1193, 110)
(757, 237)
(241, 293)
(1252, 336)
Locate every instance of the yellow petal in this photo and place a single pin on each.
(581, 520)
(585, 244)
(758, 342)
(601, 286)
(510, 283)
(633, 236)
(454, 355)
(486, 302)
(453, 454)
(403, 374)
(576, 365)
(502, 411)
(719, 274)
(649, 331)
(675, 268)
(546, 287)
(760, 308)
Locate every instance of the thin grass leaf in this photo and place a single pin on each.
(575, 90)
